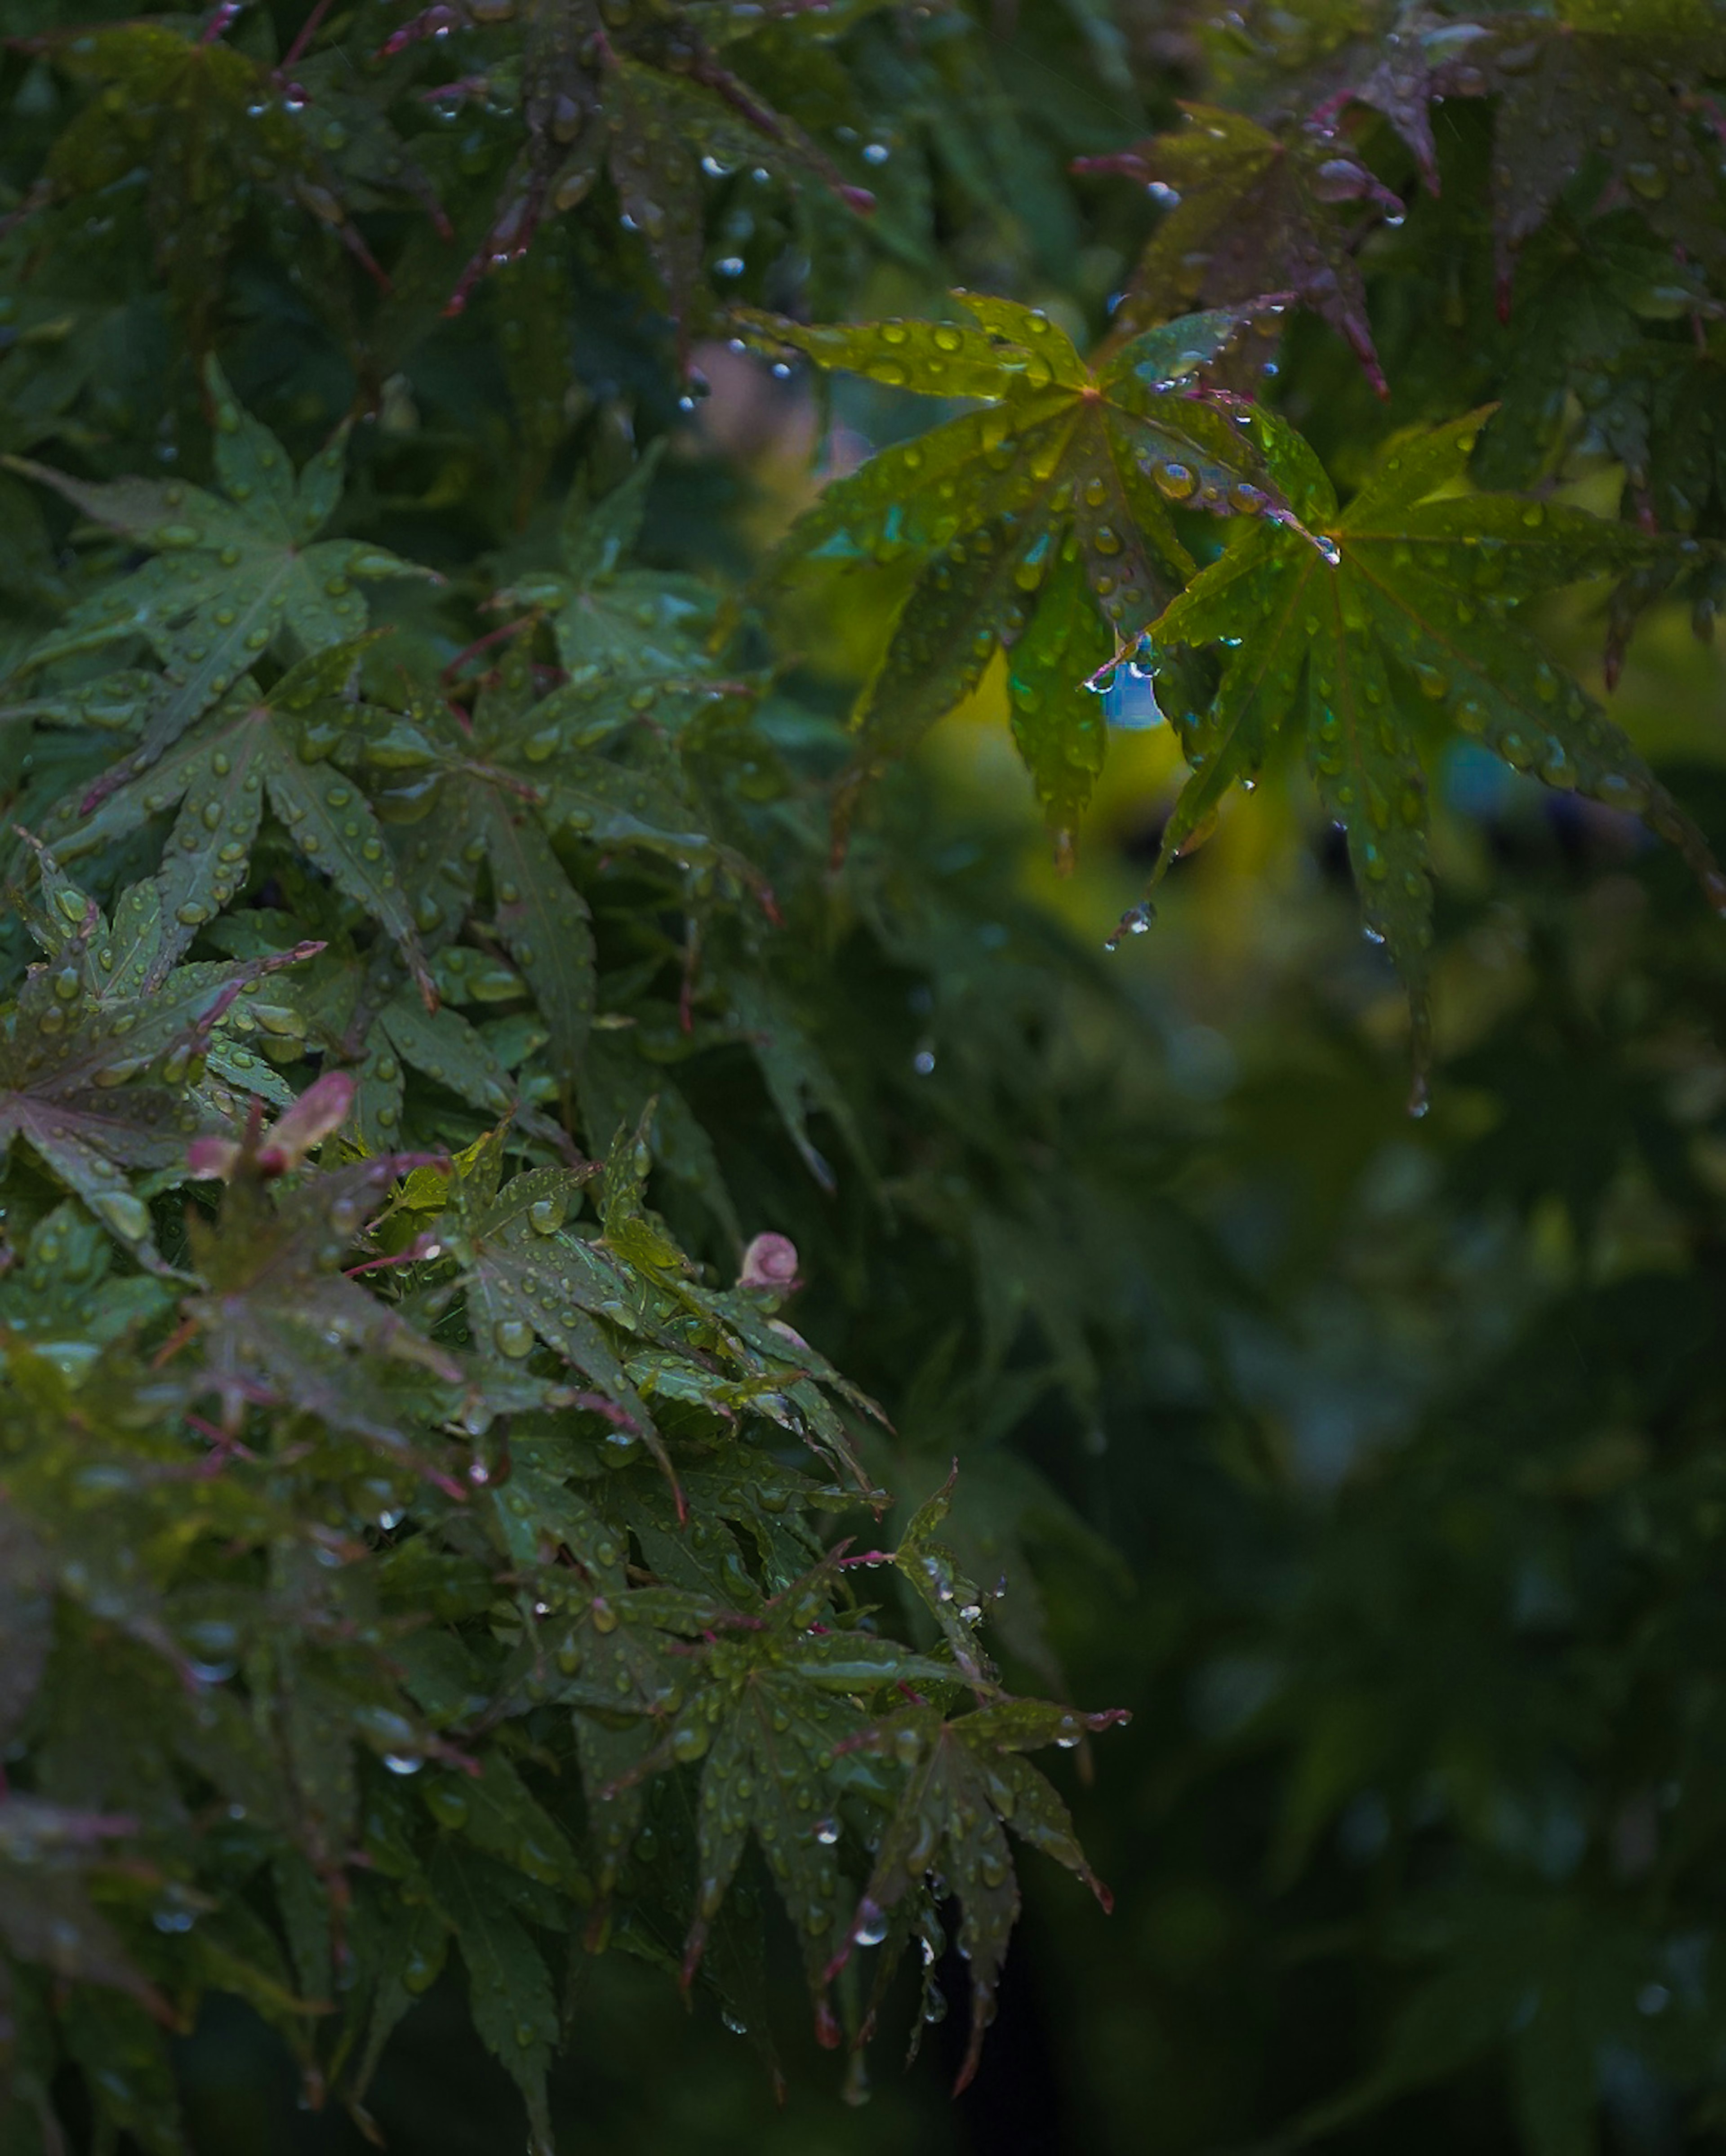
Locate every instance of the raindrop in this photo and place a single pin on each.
(447, 1804)
(1339, 180)
(826, 1831)
(1135, 921)
(127, 1215)
(402, 1763)
(869, 1927)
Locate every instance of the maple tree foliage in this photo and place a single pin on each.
(442, 1031)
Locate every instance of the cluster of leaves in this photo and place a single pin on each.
(391, 160)
(1373, 631)
(405, 1537)
(383, 1549)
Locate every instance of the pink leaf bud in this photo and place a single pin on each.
(770, 1261)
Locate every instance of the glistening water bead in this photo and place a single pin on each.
(1135, 921)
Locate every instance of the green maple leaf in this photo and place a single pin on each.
(210, 130)
(640, 94)
(1572, 97)
(624, 1310)
(509, 1987)
(354, 1009)
(755, 1363)
(626, 636)
(99, 1085)
(605, 1656)
(1582, 339)
(527, 1281)
(490, 808)
(496, 1812)
(950, 1598)
(1589, 93)
(60, 1297)
(1252, 211)
(1407, 634)
(965, 1783)
(1040, 524)
(129, 956)
(256, 746)
(772, 1715)
(47, 1853)
(521, 773)
(278, 1322)
(235, 577)
(442, 1045)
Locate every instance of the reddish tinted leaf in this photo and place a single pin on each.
(1249, 211)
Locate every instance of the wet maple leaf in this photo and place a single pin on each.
(759, 1364)
(1590, 367)
(523, 771)
(253, 747)
(491, 809)
(47, 1853)
(527, 1281)
(1593, 94)
(1570, 100)
(278, 1323)
(509, 1987)
(772, 1710)
(59, 1292)
(211, 130)
(629, 639)
(233, 577)
(965, 1783)
(638, 94)
(624, 1309)
(1250, 212)
(1040, 524)
(351, 1006)
(99, 1085)
(1407, 633)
